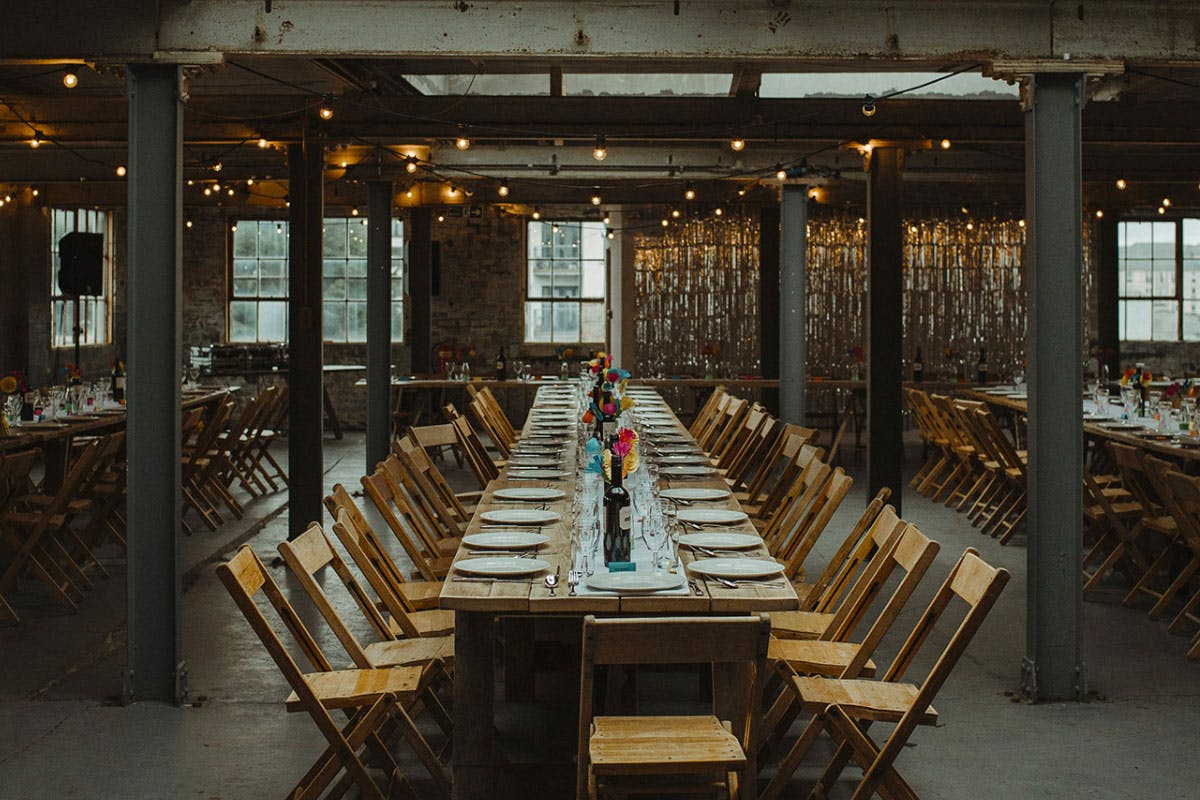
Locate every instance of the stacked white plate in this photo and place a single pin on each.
(505, 540)
(698, 495)
(720, 540)
(735, 568)
(633, 582)
(711, 516)
(521, 516)
(531, 494)
(501, 566)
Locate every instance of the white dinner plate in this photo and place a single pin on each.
(718, 541)
(694, 495)
(1016, 396)
(633, 582)
(686, 471)
(501, 566)
(696, 458)
(547, 436)
(1095, 418)
(536, 474)
(505, 540)
(711, 516)
(532, 461)
(521, 516)
(1121, 426)
(533, 494)
(735, 567)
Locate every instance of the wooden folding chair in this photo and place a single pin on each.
(424, 478)
(404, 523)
(846, 708)
(264, 433)
(482, 465)
(851, 592)
(689, 753)
(365, 547)
(439, 532)
(308, 556)
(1115, 544)
(743, 465)
(410, 445)
(375, 699)
(813, 521)
(811, 594)
(1185, 503)
(484, 422)
(801, 491)
(15, 481)
(780, 454)
(704, 416)
(435, 439)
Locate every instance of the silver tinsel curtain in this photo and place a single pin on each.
(964, 290)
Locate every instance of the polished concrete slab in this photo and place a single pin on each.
(62, 737)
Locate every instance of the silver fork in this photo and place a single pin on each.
(573, 579)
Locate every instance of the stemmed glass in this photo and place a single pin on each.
(12, 408)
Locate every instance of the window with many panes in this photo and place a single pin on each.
(1158, 274)
(564, 284)
(94, 312)
(259, 284)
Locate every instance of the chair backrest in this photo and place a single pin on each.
(307, 556)
(399, 518)
(838, 560)
(814, 520)
(741, 466)
(485, 423)
(706, 412)
(1133, 476)
(374, 562)
(778, 456)
(15, 472)
(803, 489)
(847, 593)
(1183, 501)
(674, 640)
(477, 456)
(427, 436)
(436, 522)
(418, 460)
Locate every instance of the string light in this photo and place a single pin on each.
(536, 214)
(36, 141)
(233, 227)
(689, 192)
(868, 106)
(945, 144)
(362, 221)
(36, 193)
(249, 181)
(970, 226)
(462, 142)
(453, 191)
(278, 227)
(1099, 213)
(596, 199)
(188, 223)
(610, 233)
(191, 182)
(554, 228)
(675, 214)
(410, 164)
(1166, 201)
(600, 151)
(216, 187)
(207, 192)
(1020, 223)
(441, 218)
(262, 143)
(665, 222)
(1162, 210)
(354, 211)
(70, 79)
(607, 217)
(503, 189)
(231, 191)
(718, 211)
(326, 110)
(813, 194)
(741, 191)
(217, 166)
(780, 172)
(912, 229)
(737, 144)
(1121, 184)
(121, 170)
(409, 193)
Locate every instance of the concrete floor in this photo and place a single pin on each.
(62, 735)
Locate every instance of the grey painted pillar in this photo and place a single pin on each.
(793, 291)
(153, 668)
(885, 323)
(768, 301)
(420, 289)
(1053, 666)
(622, 294)
(379, 322)
(306, 163)
(1108, 291)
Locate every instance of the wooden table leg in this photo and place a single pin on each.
(474, 699)
(331, 414)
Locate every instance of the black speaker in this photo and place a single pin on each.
(81, 264)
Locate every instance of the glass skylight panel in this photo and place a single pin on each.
(676, 84)
(521, 85)
(858, 84)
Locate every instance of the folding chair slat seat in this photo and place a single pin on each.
(368, 552)
(845, 708)
(1115, 545)
(375, 699)
(625, 754)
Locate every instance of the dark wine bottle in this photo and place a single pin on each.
(117, 384)
(618, 517)
(501, 366)
(918, 367)
(982, 372)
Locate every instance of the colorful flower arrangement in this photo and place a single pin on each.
(625, 448)
(609, 380)
(1138, 376)
(74, 373)
(1177, 390)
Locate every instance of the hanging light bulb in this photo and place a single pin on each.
(216, 187)
(610, 233)
(737, 144)
(536, 214)
(410, 164)
(689, 192)
(35, 192)
(912, 229)
(665, 222)
(554, 228)
(36, 141)
(945, 144)
(1121, 184)
(191, 182)
(868, 106)
(814, 194)
(1162, 210)
(596, 199)
(462, 142)
(1020, 223)
(70, 79)
(1099, 213)
(718, 211)
(188, 223)
(741, 191)
(780, 172)
(249, 181)
(354, 211)
(217, 166)
(207, 192)
(607, 217)
(278, 227)
(409, 193)
(362, 221)
(262, 143)
(600, 151)
(675, 213)
(970, 226)
(453, 191)
(233, 228)
(502, 190)
(121, 170)
(1166, 201)
(231, 191)
(441, 218)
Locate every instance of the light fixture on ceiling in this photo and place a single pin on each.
(354, 211)
(409, 193)
(868, 106)
(70, 79)
(263, 144)
(665, 222)
(441, 218)
(1122, 184)
(718, 211)
(462, 142)
(737, 144)
(945, 144)
(121, 170)
(1166, 201)
(600, 150)
(1162, 210)
(1099, 213)
(596, 198)
(36, 141)
(607, 218)
(610, 233)
(536, 214)
(502, 189)
(410, 164)
(780, 172)
(689, 192)
(326, 109)
(217, 166)
(675, 213)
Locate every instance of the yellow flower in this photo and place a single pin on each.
(8, 384)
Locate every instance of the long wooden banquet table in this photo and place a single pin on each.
(478, 603)
(54, 436)
(1137, 433)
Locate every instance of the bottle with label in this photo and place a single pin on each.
(918, 367)
(981, 375)
(502, 366)
(27, 406)
(618, 517)
(117, 384)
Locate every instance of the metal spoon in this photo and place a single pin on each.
(552, 580)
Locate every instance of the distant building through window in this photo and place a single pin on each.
(565, 282)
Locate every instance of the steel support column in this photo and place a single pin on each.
(420, 289)
(1107, 291)
(1053, 666)
(379, 322)
(768, 301)
(622, 298)
(885, 322)
(306, 165)
(792, 304)
(153, 669)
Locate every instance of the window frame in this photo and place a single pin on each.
(397, 298)
(579, 299)
(1176, 297)
(107, 270)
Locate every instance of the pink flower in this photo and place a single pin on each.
(609, 408)
(622, 448)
